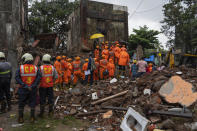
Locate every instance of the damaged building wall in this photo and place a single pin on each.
(96, 17)
(12, 22)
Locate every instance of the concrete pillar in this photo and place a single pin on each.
(10, 27)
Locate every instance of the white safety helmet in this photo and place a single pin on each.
(27, 57)
(23, 57)
(46, 57)
(2, 55)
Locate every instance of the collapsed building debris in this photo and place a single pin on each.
(176, 90)
(114, 99)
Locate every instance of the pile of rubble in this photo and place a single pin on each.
(158, 97)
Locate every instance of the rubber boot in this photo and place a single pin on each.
(32, 114)
(50, 110)
(3, 107)
(20, 116)
(42, 108)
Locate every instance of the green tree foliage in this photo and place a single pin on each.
(46, 17)
(179, 23)
(145, 37)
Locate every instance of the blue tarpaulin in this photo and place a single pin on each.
(151, 58)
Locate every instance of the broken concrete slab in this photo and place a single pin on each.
(133, 121)
(177, 90)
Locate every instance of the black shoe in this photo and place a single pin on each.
(3, 107)
(41, 115)
(20, 120)
(32, 119)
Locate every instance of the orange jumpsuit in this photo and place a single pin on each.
(111, 68)
(58, 67)
(68, 72)
(106, 53)
(117, 53)
(103, 67)
(111, 55)
(63, 62)
(84, 68)
(123, 58)
(96, 53)
(77, 71)
(96, 72)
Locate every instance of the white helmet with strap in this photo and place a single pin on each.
(46, 58)
(2, 55)
(27, 57)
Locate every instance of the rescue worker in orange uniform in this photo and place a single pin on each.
(96, 71)
(63, 62)
(28, 77)
(77, 70)
(58, 67)
(96, 52)
(103, 68)
(123, 61)
(111, 68)
(105, 52)
(111, 54)
(117, 53)
(68, 72)
(85, 68)
(49, 73)
(103, 45)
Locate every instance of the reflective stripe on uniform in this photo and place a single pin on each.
(23, 71)
(47, 75)
(5, 72)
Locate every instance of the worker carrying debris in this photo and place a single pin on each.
(49, 73)
(5, 79)
(28, 77)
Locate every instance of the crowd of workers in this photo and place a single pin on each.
(104, 63)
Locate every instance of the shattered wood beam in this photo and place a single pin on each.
(110, 97)
(91, 113)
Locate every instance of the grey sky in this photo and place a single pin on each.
(149, 13)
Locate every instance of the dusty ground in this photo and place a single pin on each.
(9, 119)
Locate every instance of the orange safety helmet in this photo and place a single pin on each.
(63, 57)
(106, 47)
(58, 58)
(77, 58)
(150, 64)
(69, 59)
(86, 60)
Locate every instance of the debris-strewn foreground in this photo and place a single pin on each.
(105, 103)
